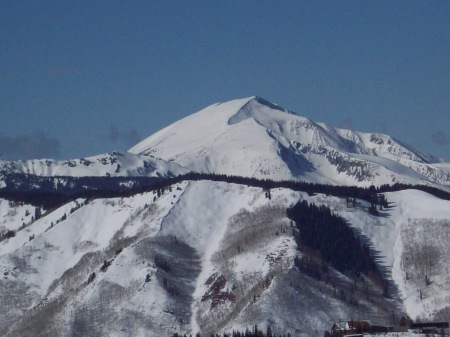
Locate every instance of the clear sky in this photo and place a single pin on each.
(80, 78)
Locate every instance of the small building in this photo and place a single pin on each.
(346, 328)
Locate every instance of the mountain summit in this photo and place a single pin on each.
(252, 137)
(256, 138)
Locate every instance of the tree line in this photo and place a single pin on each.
(48, 192)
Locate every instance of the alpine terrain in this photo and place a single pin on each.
(241, 214)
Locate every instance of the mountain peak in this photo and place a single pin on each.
(254, 105)
(265, 102)
(254, 137)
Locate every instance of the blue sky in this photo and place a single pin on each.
(79, 78)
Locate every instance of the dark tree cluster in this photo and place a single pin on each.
(254, 332)
(330, 239)
(7, 235)
(91, 278)
(162, 263)
(373, 210)
(105, 265)
(364, 193)
(50, 192)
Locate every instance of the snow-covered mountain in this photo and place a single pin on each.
(252, 137)
(211, 256)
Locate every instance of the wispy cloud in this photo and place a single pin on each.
(114, 133)
(131, 137)
(127, 138)
(346, 124)
(441, 138)
(35, 145)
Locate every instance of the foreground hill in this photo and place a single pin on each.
(209, 256)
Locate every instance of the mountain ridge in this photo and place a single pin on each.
(254, 137)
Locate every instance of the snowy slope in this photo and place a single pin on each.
(411, 237)
(200, 256)
(255, 138)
